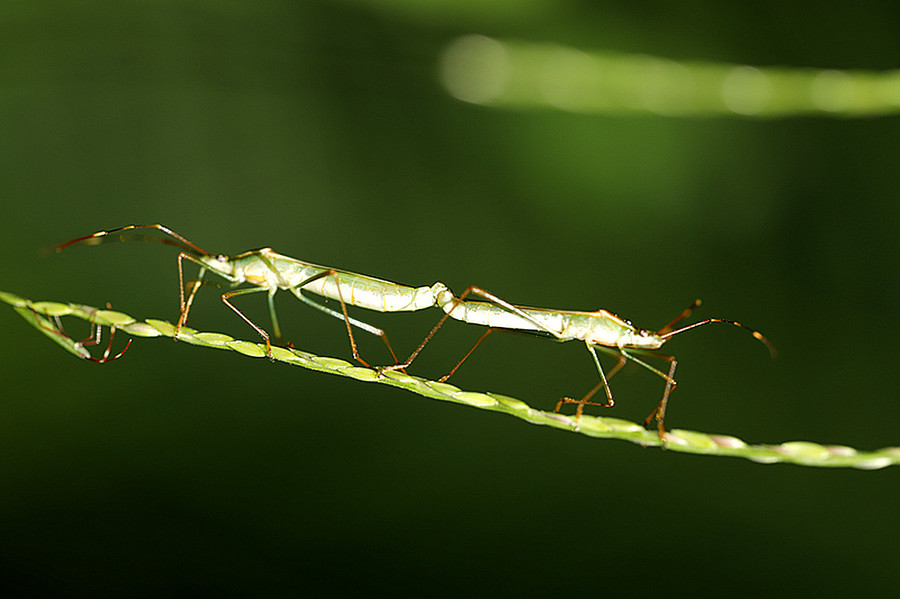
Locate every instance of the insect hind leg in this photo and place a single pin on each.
(227, 296)
(450, 306)
(343, 315)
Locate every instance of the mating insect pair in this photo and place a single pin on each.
(268, 271)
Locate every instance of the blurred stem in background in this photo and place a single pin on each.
(494, 72)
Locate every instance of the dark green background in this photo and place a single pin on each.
(321, 129)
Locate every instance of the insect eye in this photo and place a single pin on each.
(222, 258)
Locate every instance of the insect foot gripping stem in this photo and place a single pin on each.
(80, 346)
(105, 358)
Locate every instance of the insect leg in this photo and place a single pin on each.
(510, 308)
(466, 357)
(106, 358)
(258, 329)
(342, 315)
(603, 384)
(421, 346)
(349, 319)
(660, 411)
(79, 346)
(339, 315)
(458, 301)
(274, 317)
(185, 305)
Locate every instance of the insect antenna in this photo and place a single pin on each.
(179, 241)
(772, 351)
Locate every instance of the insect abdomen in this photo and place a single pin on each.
(372, 293)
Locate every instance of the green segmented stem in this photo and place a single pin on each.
(796, 452)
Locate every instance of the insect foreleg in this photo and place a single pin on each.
(660, 410)
(185, 306)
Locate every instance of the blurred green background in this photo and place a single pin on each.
(321, 129)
